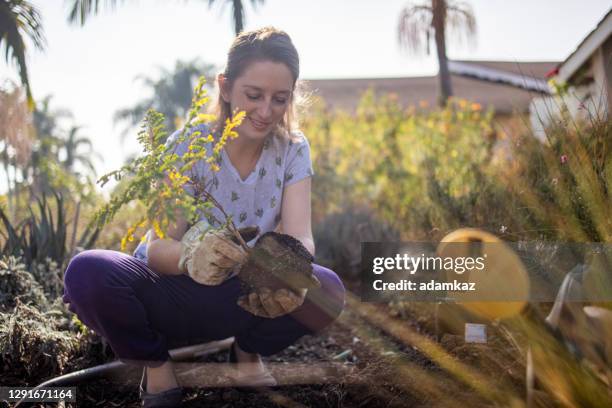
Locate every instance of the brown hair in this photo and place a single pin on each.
(264, 44)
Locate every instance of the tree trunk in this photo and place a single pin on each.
(439, 25)
(238, 16)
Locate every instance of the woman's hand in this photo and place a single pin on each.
(209, 256)
(271, 304)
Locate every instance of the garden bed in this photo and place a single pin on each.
(382, 370)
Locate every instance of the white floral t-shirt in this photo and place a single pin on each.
(257, 199)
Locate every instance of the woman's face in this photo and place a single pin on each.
(263, 91)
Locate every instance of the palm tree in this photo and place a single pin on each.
(80, 10)
(70, 147)
(58, 148)
(418, 22)
(19, 18)
(46, 146)
(46, 120)
(171, 94)
(237, 12)
(55, 145)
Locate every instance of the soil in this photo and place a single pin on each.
(277, 261)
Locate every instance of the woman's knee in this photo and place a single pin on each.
(328, 299)
(84, 275)
(332, 285)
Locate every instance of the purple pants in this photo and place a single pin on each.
(143, 314)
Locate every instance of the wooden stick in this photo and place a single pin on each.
(203, 375)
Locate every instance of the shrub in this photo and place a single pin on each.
(43, 236)
(421, 172)
(338, 239)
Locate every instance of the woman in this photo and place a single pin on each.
(147, 303)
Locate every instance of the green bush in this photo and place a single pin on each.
(429, 172)
(338, 239)
(423, 172)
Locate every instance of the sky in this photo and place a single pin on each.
(90, 70)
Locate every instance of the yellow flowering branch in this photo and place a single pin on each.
(159, 177)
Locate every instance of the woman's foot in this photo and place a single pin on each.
(160, 378)
(159, 388)
(250, 369)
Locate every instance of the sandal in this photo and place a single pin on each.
(263, 379)
(169, 398)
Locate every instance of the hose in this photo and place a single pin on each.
(179, 354)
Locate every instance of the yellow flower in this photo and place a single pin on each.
(201, 102)
(158, 229)
(123, 243)
(176, 178)
(129, 235)
(204, 118)
(444, 128)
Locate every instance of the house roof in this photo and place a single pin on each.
(534, 69)
(585, 49)
(345, 94)
(509, 73)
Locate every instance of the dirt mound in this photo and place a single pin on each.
(16, 283)
(31, 345)
(35, 345)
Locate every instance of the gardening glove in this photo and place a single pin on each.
(210, 256)
(271, 304)
(190, 241)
